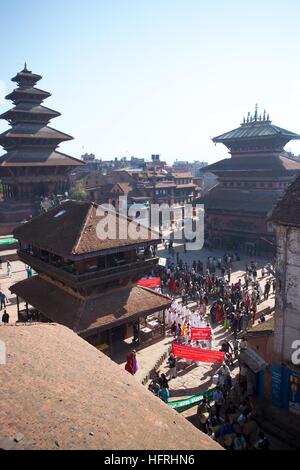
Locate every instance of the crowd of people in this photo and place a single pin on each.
(228, 415)
(233, 304)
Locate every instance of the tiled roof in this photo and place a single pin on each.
(258, 129)
(31, 92)
(161, 184)
(287, 211)
(38, 157)
(103, 311)
(249, 163)
(183, 174)
(27, 75)
(125, 187)
(71, 229)
(240, 200)
(29, 108)
(62, 393)
(264, 327)
(36, 131)
(186, 185)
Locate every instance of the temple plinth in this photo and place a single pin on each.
(32, 167)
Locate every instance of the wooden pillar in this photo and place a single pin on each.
(110, 343)
(18, 306)
(164, 323)
(139, 331)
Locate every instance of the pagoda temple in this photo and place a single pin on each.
(249, 185)
(87, 282)
(31, 167)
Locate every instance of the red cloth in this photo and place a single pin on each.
(172, 285)
(201, 333)
(151, 282)
(196, 354)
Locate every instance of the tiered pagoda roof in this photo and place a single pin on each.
(275, 165)
(256, 135)
(75, 225)
(256, 146)
(244, 200)
(256, 129)
(256, 126)
(31, 140)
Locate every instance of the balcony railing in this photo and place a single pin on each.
(97, 276)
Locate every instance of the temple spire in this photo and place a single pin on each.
(25, 70)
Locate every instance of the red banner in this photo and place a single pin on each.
(201, 333)
(196, 354)
(150, 282)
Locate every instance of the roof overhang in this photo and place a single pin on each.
(253, 360)
(86, 315)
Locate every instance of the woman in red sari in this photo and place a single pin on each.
(131, 364)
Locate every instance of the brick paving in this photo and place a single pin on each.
(18, 274)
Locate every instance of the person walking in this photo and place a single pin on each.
(8, 268)
(172, 366)
(131, 364)
(29, 271)
(267, 290)
(3, 300)
(164, 394)
(218, 398)
(5, 317)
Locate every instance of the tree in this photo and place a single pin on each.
(78, 192)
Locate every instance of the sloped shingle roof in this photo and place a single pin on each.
(72, 229)
(106, 310)
(255, 130)
(287, 211)
(61, 393)
(252, 163)
(240, 200)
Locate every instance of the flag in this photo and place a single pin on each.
(196, 354)
(149, 282)
(201, 333)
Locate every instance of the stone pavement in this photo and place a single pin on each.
(18, 274)
(148, 357)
